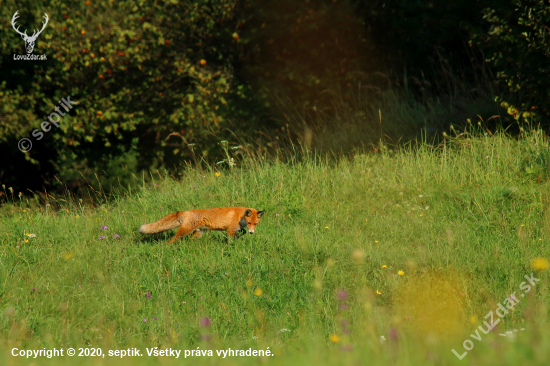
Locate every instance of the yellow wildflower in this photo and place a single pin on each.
(334, 338)
(249, 283)
(318, 284)
(384, 266)
(218, 174)
(326, 227)
(540, 264)
(378, 292)
(258, 291)
(330, 262)
(401, 273)
(358, 255)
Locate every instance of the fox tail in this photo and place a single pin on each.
(171, 221)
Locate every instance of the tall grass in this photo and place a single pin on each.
(387, 258)
(375, 108)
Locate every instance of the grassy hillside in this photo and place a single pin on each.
(393, 257)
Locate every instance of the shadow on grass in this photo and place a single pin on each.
(168, 235)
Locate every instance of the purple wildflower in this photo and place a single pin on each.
(342, 295)
(144, 320)
(155, 318)
(102, 237)
(392, 333)
(346, 348)
(116, 236)
(155, 184)
(200, 297)
(205, 322)
(34, 288)
(148, 295)
(103, 227)
(193, 186)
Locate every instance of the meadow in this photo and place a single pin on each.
(390, 256)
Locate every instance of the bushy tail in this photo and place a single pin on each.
(166, 223)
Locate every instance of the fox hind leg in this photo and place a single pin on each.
(182, 231)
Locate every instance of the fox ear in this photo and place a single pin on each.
(248, 213)
(260, 214)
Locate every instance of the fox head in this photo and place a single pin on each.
(250, 219)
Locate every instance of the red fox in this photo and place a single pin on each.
(232, 219)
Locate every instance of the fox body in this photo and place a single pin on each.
(230, 219)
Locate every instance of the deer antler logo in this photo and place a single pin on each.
(29, 41)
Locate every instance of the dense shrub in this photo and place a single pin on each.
(147, 77)
(518, 47)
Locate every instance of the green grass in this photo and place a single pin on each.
(462, 221)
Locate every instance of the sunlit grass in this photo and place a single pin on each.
(390, 258)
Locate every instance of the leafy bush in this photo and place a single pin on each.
(518, 48)
(147, 77)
